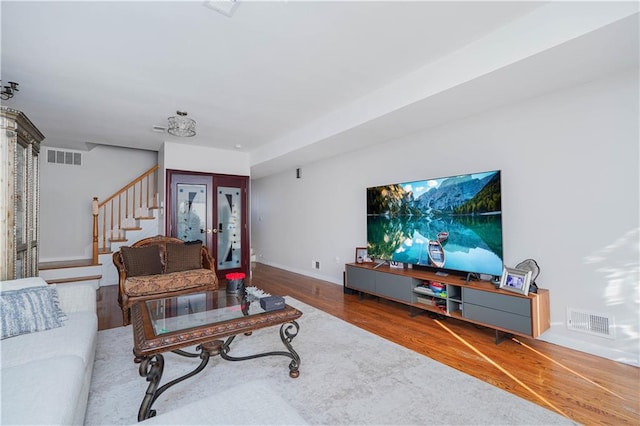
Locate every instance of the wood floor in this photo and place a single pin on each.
(582, 387)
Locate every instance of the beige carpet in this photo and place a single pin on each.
(347, 377)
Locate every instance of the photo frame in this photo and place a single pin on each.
(362, 255)
(515, 280)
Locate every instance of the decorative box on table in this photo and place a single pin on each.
(272, 303)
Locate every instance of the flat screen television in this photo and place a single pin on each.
(449, 223)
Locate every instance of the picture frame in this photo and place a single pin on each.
(515, 280)
(362, 255)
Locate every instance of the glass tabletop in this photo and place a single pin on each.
(197, 309)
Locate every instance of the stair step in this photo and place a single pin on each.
(145, 218)
(61, 264)
(74, 279)
(118, 240)
(134, 228)
(74, 271)
(104, 251)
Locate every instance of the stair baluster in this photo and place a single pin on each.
(112, 227)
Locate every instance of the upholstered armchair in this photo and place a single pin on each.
(162, 266)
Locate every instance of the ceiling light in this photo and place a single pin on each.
(9, 91)
(180, 125)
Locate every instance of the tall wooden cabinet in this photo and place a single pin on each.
(19, 203)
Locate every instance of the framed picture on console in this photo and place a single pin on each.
(362, 255)
(515, 280)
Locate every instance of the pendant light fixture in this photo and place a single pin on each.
(180, 125)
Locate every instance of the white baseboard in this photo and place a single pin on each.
(602, 351)
(304, 272)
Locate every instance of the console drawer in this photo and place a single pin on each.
(361, 279)
(394, 286)
(502, 302)
(506, 320)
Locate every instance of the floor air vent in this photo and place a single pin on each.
(590, 323)
(55, 156)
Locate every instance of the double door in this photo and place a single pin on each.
(213, 209)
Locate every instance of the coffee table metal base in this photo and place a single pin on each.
(152, 367)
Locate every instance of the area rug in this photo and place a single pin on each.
(348, 376)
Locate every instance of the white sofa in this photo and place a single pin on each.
(45, 375)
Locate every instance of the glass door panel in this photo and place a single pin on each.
(192, 212)
(21, 263)
(229, 205)
(213, 209)
(34, 263)
(35, 201)
(21, 194)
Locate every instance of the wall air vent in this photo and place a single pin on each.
(590, 323)
(55, 156)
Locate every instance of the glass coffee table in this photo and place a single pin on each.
(208, 320)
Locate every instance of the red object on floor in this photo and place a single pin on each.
(236, 276)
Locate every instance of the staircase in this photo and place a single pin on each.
(121, 219)
(79, 271)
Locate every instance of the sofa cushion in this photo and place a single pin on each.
(174, 281)
(22, 283)
(29, 310)
(183, 257)
(140, 261)
(42, 392)
(76, 337)
(77, 298)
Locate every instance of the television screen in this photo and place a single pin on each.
(452, 223)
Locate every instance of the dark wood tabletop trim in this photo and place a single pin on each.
(146, 343)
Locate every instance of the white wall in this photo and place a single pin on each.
(66, 226)
(66, 192)
(204, 159)
(173, 156)
(570, 176)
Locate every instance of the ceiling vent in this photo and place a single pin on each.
(56, 156)
(225, 7)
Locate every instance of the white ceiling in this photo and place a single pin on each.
(292, 82)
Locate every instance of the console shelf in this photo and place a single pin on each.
(478, 302)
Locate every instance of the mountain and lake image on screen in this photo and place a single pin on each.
(453, 223)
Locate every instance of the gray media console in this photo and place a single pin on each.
(478, 302)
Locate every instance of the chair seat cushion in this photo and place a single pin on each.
(164, 283)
